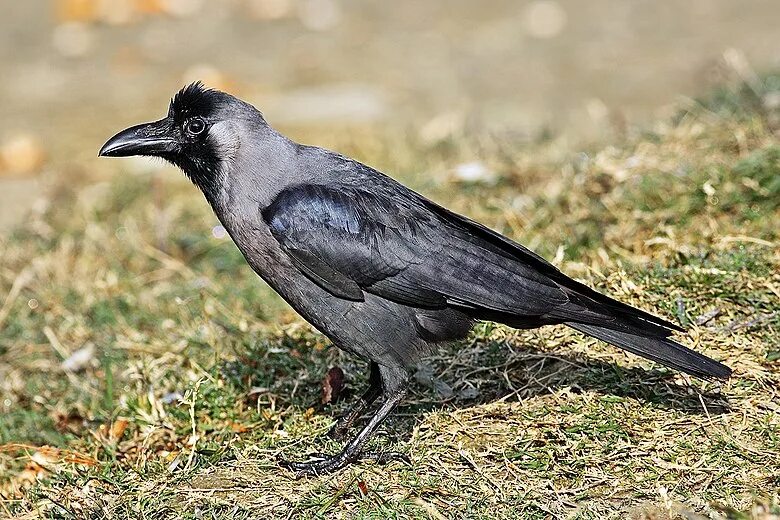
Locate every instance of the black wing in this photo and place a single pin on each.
(350, 240)
(381, 238)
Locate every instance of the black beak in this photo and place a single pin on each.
(153, 139)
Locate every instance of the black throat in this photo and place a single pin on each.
(203, 169)
(197, 157)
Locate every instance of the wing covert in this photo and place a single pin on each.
(350, 240)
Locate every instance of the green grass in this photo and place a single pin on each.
(200, 376)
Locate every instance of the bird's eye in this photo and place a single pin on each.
(195, 126)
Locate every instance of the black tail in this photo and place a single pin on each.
(660, 349)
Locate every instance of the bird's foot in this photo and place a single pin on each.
(322, 464)
(318, 464)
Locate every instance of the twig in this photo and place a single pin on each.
(22, 279)
(64, 354)
(681, 312)
(194, 437)
(55, 343)
(761, 318)
(708, 316)
(742, 238)
(466, 457)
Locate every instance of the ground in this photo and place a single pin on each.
(146, 372)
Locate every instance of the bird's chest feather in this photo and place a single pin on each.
(265, 256)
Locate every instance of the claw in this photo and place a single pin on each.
(322, 464)
(318, 464)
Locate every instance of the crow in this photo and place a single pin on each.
(383, 272)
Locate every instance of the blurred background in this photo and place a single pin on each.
(76, 71)
(634, 143)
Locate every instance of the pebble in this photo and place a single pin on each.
(21, 155)
(474, 171)
(79, 359)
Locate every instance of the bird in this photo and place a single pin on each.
(383, 272)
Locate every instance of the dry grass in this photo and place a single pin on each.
(189, 377)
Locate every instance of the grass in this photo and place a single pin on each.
(189, 377)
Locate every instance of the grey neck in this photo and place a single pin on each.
(263, 165)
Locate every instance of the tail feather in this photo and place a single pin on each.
(660, 349)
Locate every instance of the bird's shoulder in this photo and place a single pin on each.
(343, 187)
(350, 197)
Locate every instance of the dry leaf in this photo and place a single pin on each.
(117, 429)
(332, 385)
(238, 427)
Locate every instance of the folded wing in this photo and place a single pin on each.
(349, 241)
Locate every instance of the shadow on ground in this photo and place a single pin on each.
(479, 373)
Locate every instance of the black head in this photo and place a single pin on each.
(198, 134)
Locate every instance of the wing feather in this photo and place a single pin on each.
(346, 237)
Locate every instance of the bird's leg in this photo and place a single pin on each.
(394, 384)
(344, 423)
